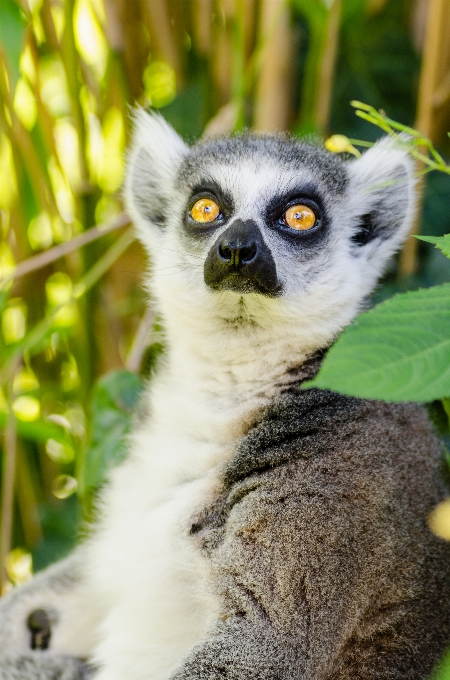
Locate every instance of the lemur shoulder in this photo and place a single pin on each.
(257, 529)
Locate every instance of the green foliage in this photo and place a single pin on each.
(113, 404)
(398, 351)
(12, 34)
(441, 242)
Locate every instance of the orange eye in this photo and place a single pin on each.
(204, 210)
(300, 217)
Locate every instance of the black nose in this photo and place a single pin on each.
(237, 251)
(241, 261)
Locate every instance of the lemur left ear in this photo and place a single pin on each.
(382, 194)
(154, 157)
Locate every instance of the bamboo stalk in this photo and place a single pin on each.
(45, 258)
(324, 87)
(91, 277)
(202, 11)
(158, 21)
(435, 36)
(272, 110)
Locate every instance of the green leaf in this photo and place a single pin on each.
(12, 33)
(441, 242)
(37, 431)
(397, 351)
(442, 670)
(113, 404)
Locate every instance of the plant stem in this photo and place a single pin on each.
(43, 259)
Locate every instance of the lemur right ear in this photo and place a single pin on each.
(155, 154)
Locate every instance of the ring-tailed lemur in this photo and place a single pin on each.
(257, 530)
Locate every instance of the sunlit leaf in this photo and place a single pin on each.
(24, 104)
(64, 486)
(26, 408)
(159, 83)
(19, 566)
(62, 191)
(36, 430)
(8, 180)
(54, 92)
(66, 139)
(59, 452)
(89, 38)
(398, 351)
(14, 321)
(40, 233)
(59, 289)
(441, 242)
(25, 380)
(110, 172)
(12, 33)
(70, 378)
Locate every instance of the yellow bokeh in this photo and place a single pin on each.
(26, 408)
(159, 83)
(95, 146)
(66, 140)
(24, 104)
(57, 12)
(54, 92)
(26, 65)
(7, 265)
(19, 566)
(25, 380)
(62, 191)
(59, 452)
(64, 486)
(439, 520)
(8, 182)
(111, 168)
(14, 321)
(62, 231)
(59, 291)
(89, 37)
(40, 233)
(70, 378)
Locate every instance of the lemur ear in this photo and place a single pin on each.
(382, 192)
(154, 157)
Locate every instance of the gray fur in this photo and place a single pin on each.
(43, 666)
(323, 559)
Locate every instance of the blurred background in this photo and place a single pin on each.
(76, 338)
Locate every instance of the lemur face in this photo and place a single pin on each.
(264, 228)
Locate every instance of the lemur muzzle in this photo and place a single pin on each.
(241, 261)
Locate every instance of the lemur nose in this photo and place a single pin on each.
(237, 252)
(240, 260)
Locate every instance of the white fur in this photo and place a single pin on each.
(153, 589)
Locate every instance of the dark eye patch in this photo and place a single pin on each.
(208, 189)
(304, 195)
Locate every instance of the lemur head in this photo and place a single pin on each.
(263, 233)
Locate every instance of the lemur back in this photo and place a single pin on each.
(257, 529)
